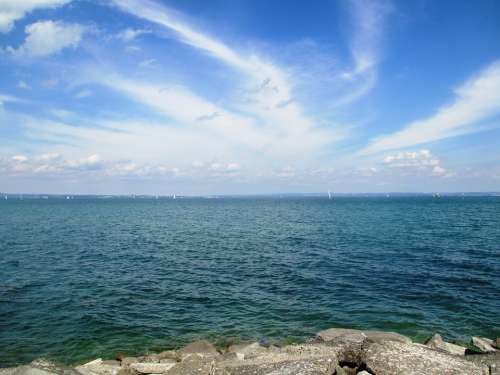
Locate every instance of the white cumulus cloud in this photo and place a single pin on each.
(129, 34)
(13, 10)
(423, 161)
(48, 37)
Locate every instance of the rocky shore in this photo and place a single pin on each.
(335, 351)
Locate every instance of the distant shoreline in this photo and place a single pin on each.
(236, 196)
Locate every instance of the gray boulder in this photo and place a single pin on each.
(152, 368)
(194, 364)
(437, 342)
(491, 360)
(483, 344)
(202, 347)
(336, 334)
(307, 359)
(345, 370)
(125, 361)
(287, 367)
(169, 354)
(99, 367)
(379, 336)
(247, 350)
(395, 358)
(39, 367)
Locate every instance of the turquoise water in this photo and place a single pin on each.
(89, 277)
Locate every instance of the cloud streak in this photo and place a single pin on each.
(277, 88)
(475, 100)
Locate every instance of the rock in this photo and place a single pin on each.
(248, 350)
(345, 370)
(484, 359)
(395, 358)
(111, 362)
(128, 360)
(484, 345)
(194, 364)
(333, 334)
(292, 367)
(120, 355)
(98, 367)
(307, 359)
(169, 354)
(379, 336)
(126, 371)
(150, 358)
(496, 344)
(200, 347)
(47, 366)
(437, 342)
(491, 360)
(39, 367)
(152, 368)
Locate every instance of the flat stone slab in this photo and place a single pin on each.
(307, 359)
(152, 368)
(98, 367)
(297, 367)
(25, 370)
(333, 334)
(395, 358)
(39, 367)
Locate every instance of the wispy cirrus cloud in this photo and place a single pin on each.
(264, 117)
(9, 98)
(368, 19)
(268, 84)
(475, 100)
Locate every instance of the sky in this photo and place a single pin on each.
(249, 97)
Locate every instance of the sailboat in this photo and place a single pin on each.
(173, 196)
(329, 194)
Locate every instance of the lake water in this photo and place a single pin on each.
(91, 277)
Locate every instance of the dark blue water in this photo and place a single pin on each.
(87, 277)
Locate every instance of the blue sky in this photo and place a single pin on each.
(214, 97)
